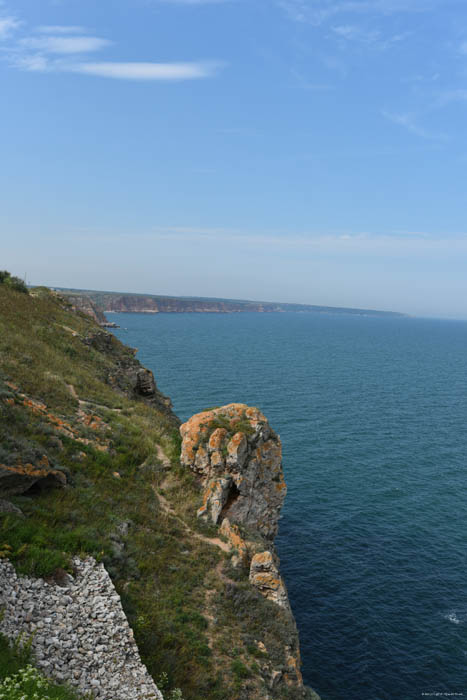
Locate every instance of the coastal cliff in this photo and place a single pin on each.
(97, 303)
(94, 464)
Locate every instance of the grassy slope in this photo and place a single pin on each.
(191, 619)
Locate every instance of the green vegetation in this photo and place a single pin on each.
(13, 282)
(19, 679)
(66, 400)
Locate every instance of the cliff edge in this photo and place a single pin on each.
(92, 464)
(236, 458)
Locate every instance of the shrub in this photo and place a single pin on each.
(29, 683)
(15, 283)
(239, 669)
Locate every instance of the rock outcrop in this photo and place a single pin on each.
(86, 305)
(128, 375)
(238, 459)
(264, 574)
(19, 478)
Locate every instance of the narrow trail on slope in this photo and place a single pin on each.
(167, 508)
(90, 404)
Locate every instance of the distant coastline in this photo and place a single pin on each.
(100, 303)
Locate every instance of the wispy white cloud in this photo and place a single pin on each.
(8, 24)
(148, 71)
(408, 122)
(64, 44)
(34, 63)
(55, 48)
(368, 37)
(60, 29)
(318, 11)
(352, 32)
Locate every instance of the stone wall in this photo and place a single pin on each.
(79, 631)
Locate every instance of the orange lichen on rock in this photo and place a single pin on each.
(19, 478)
(264, 575)
(236, 541)
(293, 674)
(244, 461)
(64, 428)
(35, 406)
(216, 439)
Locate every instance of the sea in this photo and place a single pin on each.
(372, 413)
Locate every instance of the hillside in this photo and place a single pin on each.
(111, 302)
(90, 466)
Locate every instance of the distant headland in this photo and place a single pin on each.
(98, 303)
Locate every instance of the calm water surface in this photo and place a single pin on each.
(372, 413)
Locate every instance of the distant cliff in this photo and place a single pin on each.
(85, 304)
(109, 302)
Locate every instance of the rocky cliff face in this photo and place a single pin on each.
(108, 302)
(236, 458)
(85, 304)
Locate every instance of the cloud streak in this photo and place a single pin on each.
(64, 44)
(60, 29)
(148, 71)
(317, 12)
(55, 49)
(408, 122)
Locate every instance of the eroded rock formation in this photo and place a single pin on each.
(238, 459)
(264, 574)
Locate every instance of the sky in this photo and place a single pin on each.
(310, 151)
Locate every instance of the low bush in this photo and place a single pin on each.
(20, 680)
(15, 283)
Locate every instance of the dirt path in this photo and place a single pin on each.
(167, 508)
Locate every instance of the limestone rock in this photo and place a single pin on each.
(145, 384)
(238, 544)
(18, 479)
(238, 459)
(7, 507)
(215, 497)
(264, 575)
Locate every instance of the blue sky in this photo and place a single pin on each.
(291, 150)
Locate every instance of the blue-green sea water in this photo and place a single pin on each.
(372, 413)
